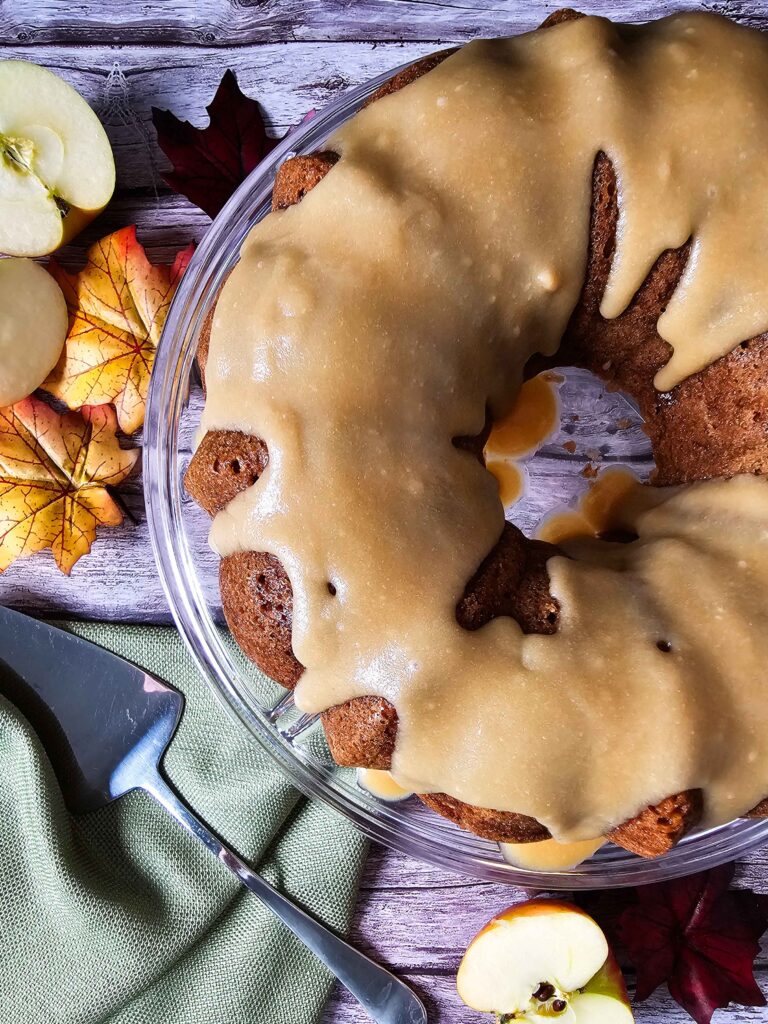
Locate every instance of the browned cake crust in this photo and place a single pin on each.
(657, 829)
(759, 811)
(256, 590)
(713, 424)
(501, 826)
(409, 74)
(299, 176)
(361, 733)
(512, 580)
(226, 462)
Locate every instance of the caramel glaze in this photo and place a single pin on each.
(533, 417)
(404, 257)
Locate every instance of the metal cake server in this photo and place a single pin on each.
(106, 724)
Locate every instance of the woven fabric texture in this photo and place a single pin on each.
(119, 917)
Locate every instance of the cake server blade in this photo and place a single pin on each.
(105, 724)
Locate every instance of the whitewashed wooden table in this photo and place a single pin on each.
(293, 55)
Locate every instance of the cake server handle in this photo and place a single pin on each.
(386, 999)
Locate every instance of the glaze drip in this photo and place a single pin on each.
(371, 324)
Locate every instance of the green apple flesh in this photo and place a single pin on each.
(57, 171)
(33, 327)
(543, 961)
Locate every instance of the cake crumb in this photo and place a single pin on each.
(590, 471)
(570, 446)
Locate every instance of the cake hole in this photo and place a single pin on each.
(331, 589)
(216, 465)
(618, 536)
(664, 822)
(552, 617)
(664, 646)
(235, 464)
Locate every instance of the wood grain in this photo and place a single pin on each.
(294, 55)
(429, 916)
(124, 84)
(438, 991)
(220, 23)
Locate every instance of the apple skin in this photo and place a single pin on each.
(609, 981)
(57, 171)
(601, 998)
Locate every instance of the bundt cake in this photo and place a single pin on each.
(589, 195)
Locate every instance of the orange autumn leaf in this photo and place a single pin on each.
(54, 474)
(117, 307)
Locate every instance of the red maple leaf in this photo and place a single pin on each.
(209, 163)
(698, 936)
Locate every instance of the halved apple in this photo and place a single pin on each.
(57, 171)
(543, 960)
(33, 327)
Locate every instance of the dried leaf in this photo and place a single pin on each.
(54, 474)
(209, 163)
(117, 307)
(698, 936)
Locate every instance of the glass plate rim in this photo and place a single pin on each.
(163, 499)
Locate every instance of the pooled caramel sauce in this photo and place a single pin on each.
(549, 855)
(598, 512)
(381, 784)
(510, 476)
(530, 421)
(367, 327)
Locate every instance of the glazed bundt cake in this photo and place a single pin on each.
(705, 406)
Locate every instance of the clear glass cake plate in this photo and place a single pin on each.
(605, 430)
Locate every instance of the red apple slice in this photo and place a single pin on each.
(542, 961)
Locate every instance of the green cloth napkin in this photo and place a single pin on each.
(118, 916)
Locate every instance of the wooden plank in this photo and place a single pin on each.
(411, 915)
(123, 85)
(164, 224)
(218, 23)
(419, 919)
(430, 915)
(444, 1006)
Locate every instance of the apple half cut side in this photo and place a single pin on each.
(57, 171)
(543, 960)
(33, 327)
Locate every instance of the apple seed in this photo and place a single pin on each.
(544, 992)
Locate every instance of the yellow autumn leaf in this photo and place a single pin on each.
(117, 307)
(54, 474)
